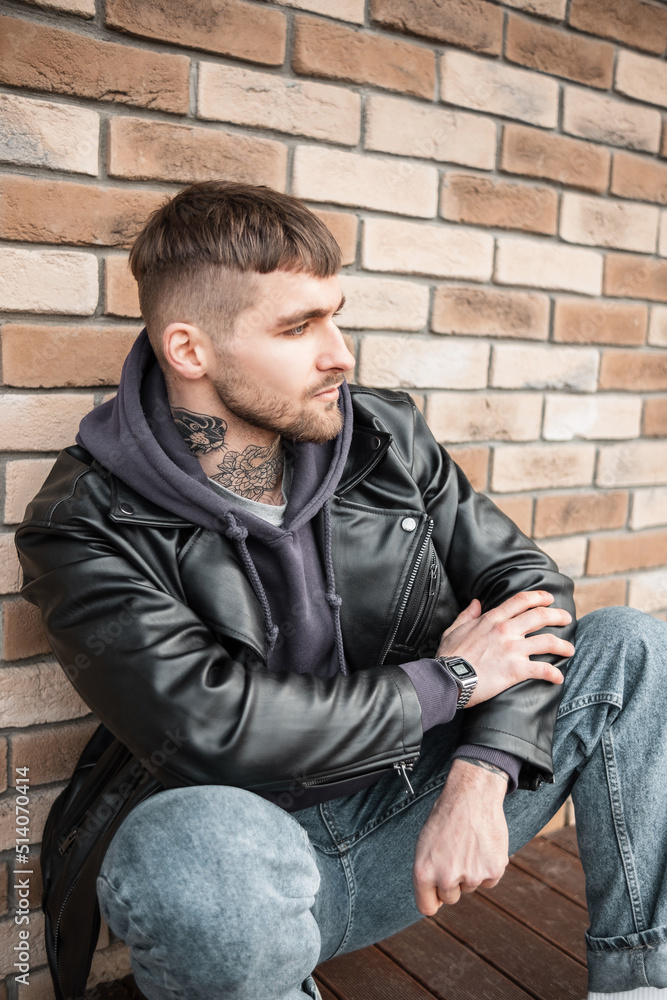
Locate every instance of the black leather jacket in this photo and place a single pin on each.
(161, 633)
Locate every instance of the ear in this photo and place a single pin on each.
(187, 350)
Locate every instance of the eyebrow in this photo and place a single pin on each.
(297, 318)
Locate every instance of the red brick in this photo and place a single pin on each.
(472, 24)
(38, 57)
(51, 753)
(641, 25)
(23, 632)
(638, 177)
(78, 214)
(121, 294)
(631, 276)
(569, 514)
(617, 553)
(229, 27)
(344, 226)
(64, 355)
(589, 595)
(654, 423)
(518, 509)
(475, 464)
(579, 321)
(535, 153)
(488, 202)
(490, 312)
(149, 150)
(644, 372)
(558, 52)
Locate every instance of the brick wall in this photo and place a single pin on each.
(495, 174)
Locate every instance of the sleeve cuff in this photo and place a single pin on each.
(437, 692)
(507, 761)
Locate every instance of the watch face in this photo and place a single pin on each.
(461, 669)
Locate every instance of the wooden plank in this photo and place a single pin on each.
(566, 839)
(555, 867)
(539, 967)
(542, 909)
(446, 967)
(370, 974)
(326, 993)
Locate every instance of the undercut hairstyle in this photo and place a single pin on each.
(196, 257)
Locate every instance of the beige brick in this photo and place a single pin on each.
(111, 964)
(84, 8)
(648, 591)
(10, 573)
(518, 509)
(654, 423)
(473, 24)
(151, 150)
(657, 331)
(35, 56)
(596, 417)
(617, 553)
(640, 25)
(649, 507)
(342, 178)
(337, 52)
(640, 178)
(32, 422)
(9, 939)
(558, 52)
(24, 478)
(662, 234)
(569, 554)
(416, 129)
(264, 100)
(494, 88)
(44, 134)
(61, 212)
(3, 786)
(578, 321)
(641, 77)
(48, 281)
(639, 463)
(537, 366)
(542, 467)
(548, 265)
(121, 294)
(475, 464)
(645, 372)
(489, 312)
(344, 226)
(418, 248)
(4, 882)
(466, 416)
(383, 304)
(41, 800)
(421, 362)
(602, 223)
(342, 10)
(40, 988)
(553, 9)
(572, 513)
(229, 27)
(635, 277)
(51, 753)
(489, 202)
(589, 595)
(535, 153)
(37, 693)
(610, 120)
(23, 633)
(64, 355)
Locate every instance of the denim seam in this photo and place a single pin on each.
(343, 857)
(611, 770)
(583, 701)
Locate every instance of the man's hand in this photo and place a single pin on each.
(464, 842)
(498, 646)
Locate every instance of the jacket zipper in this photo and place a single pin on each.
(408, 591)
(56, 932)
(428, 592)
(402, 767)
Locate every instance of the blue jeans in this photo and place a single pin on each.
(221, 894)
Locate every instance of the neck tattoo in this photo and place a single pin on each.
(254, 473)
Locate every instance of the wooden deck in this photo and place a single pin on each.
(522, 940)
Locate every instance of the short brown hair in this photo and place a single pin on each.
(191, 257)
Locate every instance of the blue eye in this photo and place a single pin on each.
(296, 331)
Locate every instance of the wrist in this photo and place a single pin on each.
(481, 773)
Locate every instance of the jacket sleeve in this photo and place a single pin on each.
(162, 682)
(488, 557)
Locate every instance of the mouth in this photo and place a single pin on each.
(330, 393)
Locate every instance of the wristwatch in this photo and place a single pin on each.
(463, 673)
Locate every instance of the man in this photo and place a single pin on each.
(328, 671)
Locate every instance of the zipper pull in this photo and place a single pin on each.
(402, 770)
(69, 839)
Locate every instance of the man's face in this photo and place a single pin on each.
(280, 367)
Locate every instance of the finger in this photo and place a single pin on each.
(537, 618)
(468, 614)
(519, 603)
(546, 642)
(449, 896)
(539, 670)
(427, 900)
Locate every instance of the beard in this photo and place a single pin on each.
(316, 422)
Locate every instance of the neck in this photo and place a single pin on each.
(245, 459)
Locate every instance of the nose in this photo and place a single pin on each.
(335, 352)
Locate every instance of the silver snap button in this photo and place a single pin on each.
(375, 443)
(127, 508)
(408, 524)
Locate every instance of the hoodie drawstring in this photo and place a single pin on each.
(333, 599)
